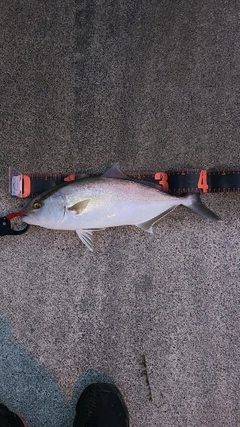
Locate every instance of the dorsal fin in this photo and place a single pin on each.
(115, 172)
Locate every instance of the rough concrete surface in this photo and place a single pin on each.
(150, 84)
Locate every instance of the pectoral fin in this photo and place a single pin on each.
(80, 206)
(86, 238)
(147, 225)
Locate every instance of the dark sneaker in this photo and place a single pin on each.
(9, 419)
(101, 405)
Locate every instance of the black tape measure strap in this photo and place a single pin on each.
(175, 181)
(211, 181)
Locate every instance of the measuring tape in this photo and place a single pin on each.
(176, 181)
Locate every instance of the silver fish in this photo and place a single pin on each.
(111, 200)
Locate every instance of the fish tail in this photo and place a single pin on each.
(193, 202)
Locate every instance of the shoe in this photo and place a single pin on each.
(9, 419)
(101, 405)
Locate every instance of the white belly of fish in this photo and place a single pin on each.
(113, 213)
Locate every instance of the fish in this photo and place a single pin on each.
(111, 200)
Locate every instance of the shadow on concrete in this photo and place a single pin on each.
(30, 390)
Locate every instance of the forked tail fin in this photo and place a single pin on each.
(193, 202)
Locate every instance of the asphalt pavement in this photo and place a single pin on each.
(152, 85)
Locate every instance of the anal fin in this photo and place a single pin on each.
(147, 225)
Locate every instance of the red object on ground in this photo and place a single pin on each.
(14, 214)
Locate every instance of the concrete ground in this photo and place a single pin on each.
(150, 84)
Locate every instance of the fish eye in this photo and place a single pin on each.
(37, 205)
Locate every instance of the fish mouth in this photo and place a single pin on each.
(30, 218)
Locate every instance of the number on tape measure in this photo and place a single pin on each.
(202, 181)
(162, 177)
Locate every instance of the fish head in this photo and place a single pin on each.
(45, 210)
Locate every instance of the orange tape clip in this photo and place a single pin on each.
(26, 186)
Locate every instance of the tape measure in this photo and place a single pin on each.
(178, 181)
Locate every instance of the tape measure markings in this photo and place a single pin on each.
(175, 181)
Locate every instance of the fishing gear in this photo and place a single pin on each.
(5, 224)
